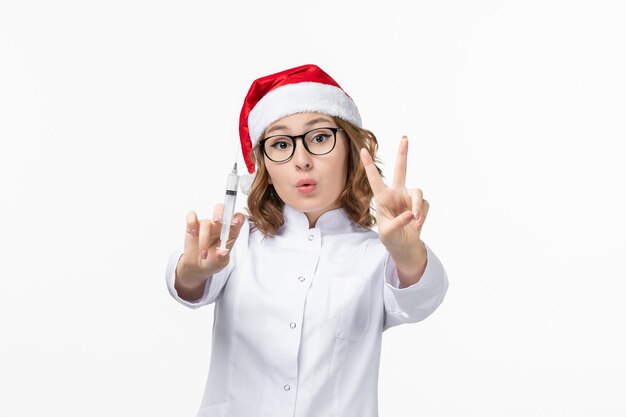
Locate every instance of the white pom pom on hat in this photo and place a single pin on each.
(306, 88)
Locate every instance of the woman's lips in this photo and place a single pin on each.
(306, 185)
(306, 188)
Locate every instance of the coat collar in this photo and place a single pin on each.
(333, 221)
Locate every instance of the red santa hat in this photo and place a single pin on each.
(306, 88)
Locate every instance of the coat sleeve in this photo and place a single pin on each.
(418, 301)
(215, 284)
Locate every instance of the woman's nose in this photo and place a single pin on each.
(302, 158)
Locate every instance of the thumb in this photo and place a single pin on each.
(400, 221)
(235, 228)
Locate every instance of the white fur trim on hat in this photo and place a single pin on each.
(299, 98)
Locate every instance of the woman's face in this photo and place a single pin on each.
(309, 183)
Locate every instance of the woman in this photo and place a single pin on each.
(307, 288)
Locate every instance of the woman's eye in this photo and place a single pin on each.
(319, 138)
(280, 145)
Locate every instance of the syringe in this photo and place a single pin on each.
(229, 205)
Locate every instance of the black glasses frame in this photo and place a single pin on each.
(293, 140)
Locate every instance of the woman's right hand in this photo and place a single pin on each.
(202, 257)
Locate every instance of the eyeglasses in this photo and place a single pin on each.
(320, 141)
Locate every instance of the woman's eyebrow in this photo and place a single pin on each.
(308, 124)
(314, 121)
(277, 127)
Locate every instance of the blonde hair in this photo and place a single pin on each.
(265, 208)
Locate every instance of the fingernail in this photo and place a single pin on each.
(222, 252)
(204, 253)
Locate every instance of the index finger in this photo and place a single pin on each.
(399, 173)
(373, 176)
(191, 235)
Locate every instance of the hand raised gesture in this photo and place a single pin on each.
(400, 212)
(202, 257)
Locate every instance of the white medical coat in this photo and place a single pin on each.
(299, 317)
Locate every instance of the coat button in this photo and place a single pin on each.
(311, 237)
(292, 325)
(301, 279)
(287, 387)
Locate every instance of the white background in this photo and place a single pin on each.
(118, 117)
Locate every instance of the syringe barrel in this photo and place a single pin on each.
(232, 183)
(229, 207)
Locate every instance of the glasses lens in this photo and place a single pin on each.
(320, 141)
(278, 148)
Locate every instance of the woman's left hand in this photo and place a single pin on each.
(400, 212)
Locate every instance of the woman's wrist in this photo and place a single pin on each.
(410, 263)
(188, 285)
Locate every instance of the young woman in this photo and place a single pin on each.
(306, 289)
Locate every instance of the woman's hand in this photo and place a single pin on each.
(202, 257)
(400, 215)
